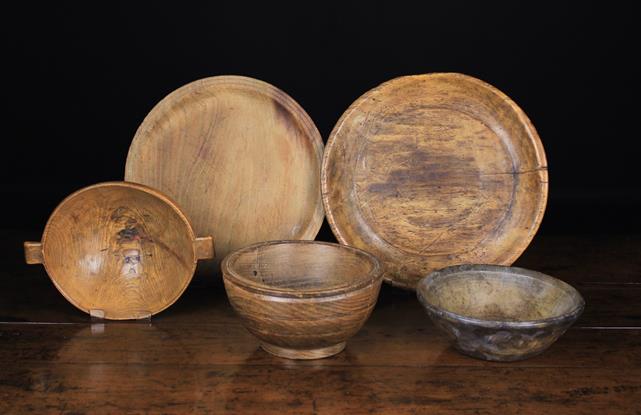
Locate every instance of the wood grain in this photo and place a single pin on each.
(175, 373)
(197, 357)
(241, 158)
(33, 253)
(379, 343)
(434, 170)
(121, 250)
(302, 299)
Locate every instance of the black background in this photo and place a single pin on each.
(79, 78)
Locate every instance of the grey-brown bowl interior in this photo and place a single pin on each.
(496, 294)
(301, 267)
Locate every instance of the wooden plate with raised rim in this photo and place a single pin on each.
(119, 250)
(240, 156)
(434, 170)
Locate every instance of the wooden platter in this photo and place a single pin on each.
(119, 250)
(241, 158)
(434, 170)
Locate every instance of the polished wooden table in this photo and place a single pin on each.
(196, 357)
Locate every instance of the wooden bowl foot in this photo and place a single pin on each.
(303, 354)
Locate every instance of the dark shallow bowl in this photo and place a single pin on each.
(302, 299)
(499, 313)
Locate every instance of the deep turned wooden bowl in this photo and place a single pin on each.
(119, 250)
(499, 313)
(302, 299)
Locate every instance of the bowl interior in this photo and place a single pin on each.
(500, 295)
(119, 248)
(302, 266)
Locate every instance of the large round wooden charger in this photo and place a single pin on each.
(241, 158)
(121, 250)
(434, 170)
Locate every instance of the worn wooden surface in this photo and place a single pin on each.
(500, 313)
(196, 357)
(240, 156)
(434, 170)
(119, 250)
(302, 299)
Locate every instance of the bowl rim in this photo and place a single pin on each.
(230, 275)
(571, 315)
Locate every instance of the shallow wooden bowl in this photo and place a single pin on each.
(119, 250)
(302, 299)
(499, 313)
(434, 170)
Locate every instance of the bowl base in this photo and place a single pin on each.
(492, 357)
(303, 354)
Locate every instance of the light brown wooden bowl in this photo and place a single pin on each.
(302, 299)
(119, 250)
(499, 313)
